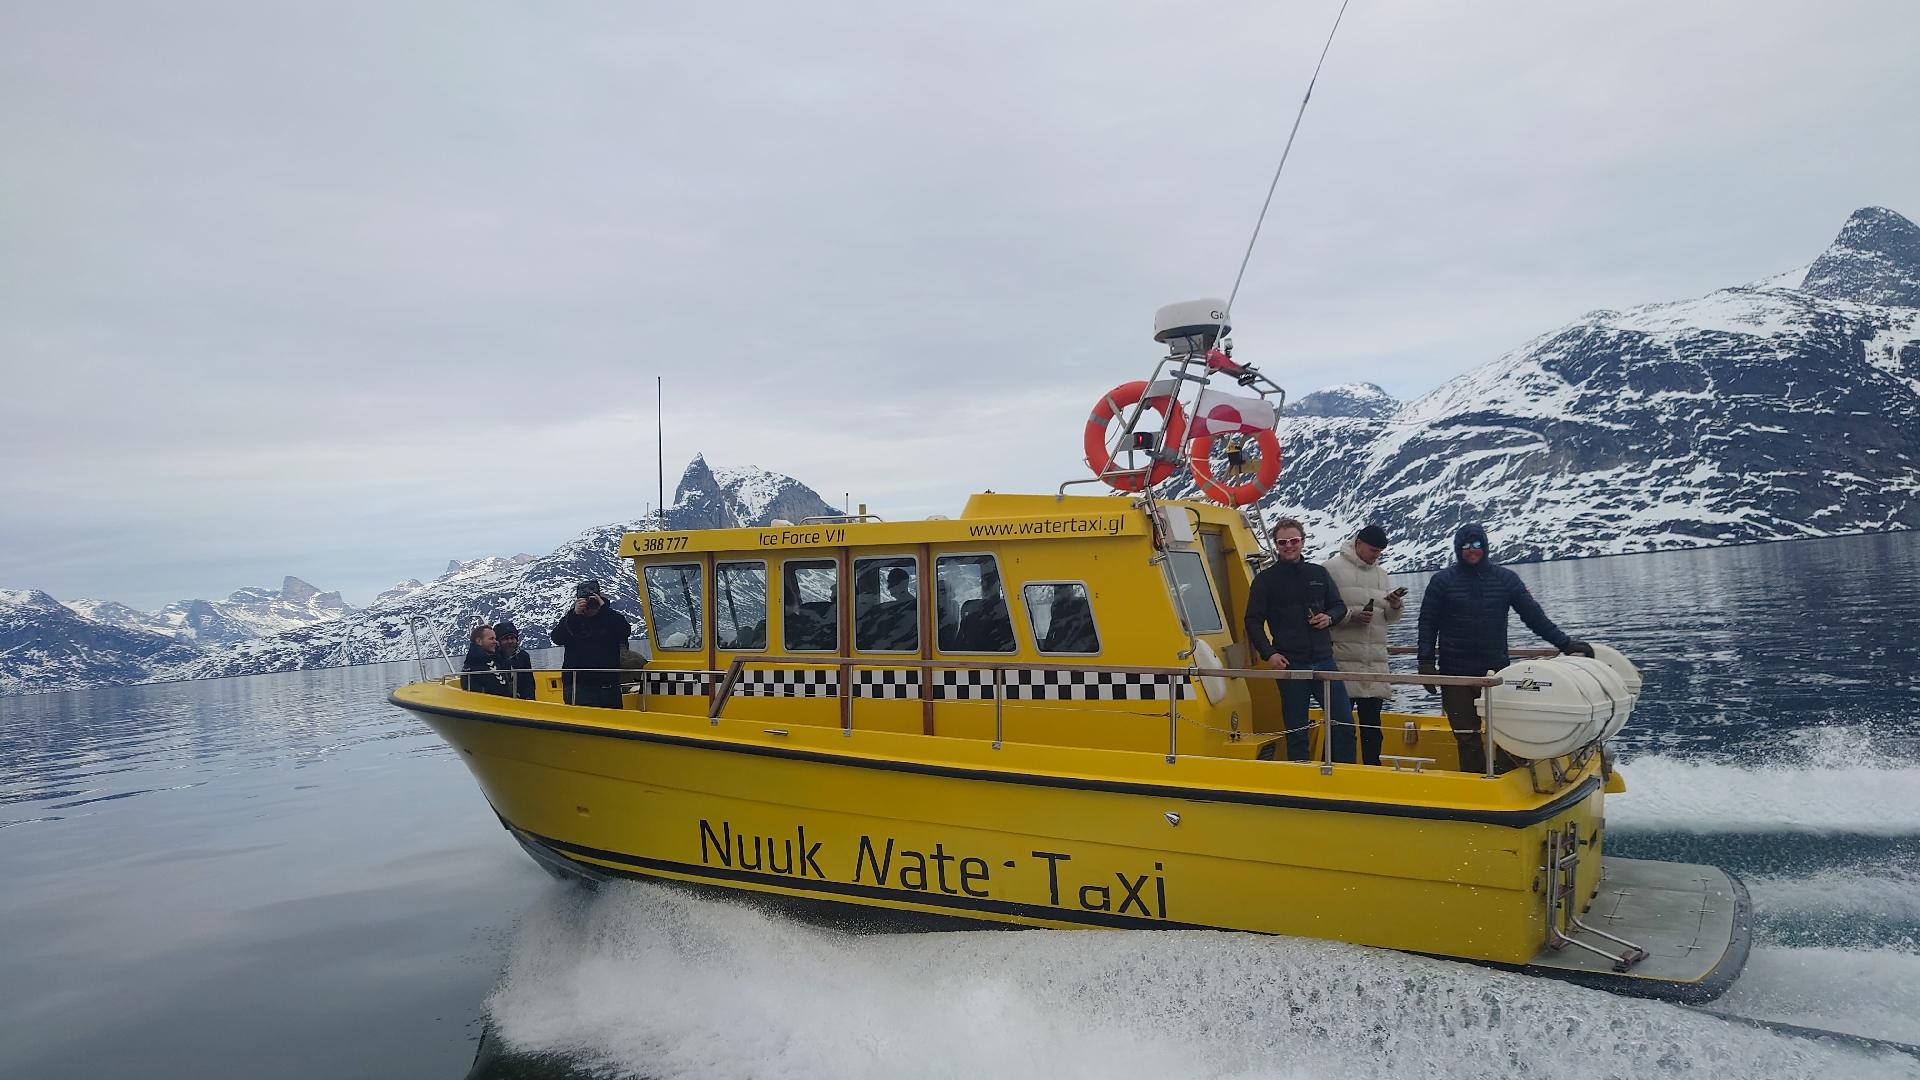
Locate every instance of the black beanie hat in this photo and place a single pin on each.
(1372, 534)
(505, 629)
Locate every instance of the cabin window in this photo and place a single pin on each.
(810, 605)
(673, 603)
(1198, 612)
(740, 605)
(886, 604)
(1062, 616)
(972, 605)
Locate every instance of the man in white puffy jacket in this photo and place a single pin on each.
(1360, 639)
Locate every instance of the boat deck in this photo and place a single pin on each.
(1691, 919)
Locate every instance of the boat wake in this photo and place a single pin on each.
(649, 980)
(1830, 780)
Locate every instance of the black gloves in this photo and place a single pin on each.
(1578, 648)
(1428, 667)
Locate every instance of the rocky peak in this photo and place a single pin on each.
(698, 501)
(403, 589)
(297, 591)
(1874, 260)
(1362, 399)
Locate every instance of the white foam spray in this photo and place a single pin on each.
(658, 982)
(1825, 779)
(1875, 992)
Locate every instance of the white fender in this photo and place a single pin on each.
(1206, 659)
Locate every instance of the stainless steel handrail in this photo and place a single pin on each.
(730, 680)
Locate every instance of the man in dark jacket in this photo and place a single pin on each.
(1289, 608)
(480, 658)
(593, 635)
(513, 659)
(1463, 631)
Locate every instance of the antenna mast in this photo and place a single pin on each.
(660, 444)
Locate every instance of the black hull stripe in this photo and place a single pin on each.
(825, 888)
(1514, 819)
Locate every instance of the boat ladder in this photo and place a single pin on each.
(1563, 902)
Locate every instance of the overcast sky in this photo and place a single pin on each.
(346, 290)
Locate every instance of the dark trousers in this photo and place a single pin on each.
(1459, 702)
(1366, 716)
(592, 695)
(1297, 697)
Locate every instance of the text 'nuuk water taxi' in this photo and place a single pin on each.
(1044, 712)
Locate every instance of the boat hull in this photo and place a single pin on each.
(795, 819)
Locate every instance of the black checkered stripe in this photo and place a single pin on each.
(678, 683)
(788, 682)
(895, 683)
(1028, 685)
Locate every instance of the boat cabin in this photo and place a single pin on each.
(1016, 622)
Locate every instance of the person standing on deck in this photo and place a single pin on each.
(593, 635)
(1463, 631)
(1360, 639)
(514, 660)
(1289, 608)
(480, 659)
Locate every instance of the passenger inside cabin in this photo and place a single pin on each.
(1069, 622)
(811, 625)
(889, 621)
(985, 625)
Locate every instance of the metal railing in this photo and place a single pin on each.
(1171, 677)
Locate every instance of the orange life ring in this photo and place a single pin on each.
(1121, 397)
(1200, 455)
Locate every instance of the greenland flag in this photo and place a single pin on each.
(1225, 414)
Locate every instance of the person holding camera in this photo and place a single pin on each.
(1290, 606)
(592, 633)
(1360, 639)
(1463, 631)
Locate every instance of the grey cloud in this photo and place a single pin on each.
(280, 285)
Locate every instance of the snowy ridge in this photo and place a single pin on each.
(531, 592)
(1346, 399)
(1752, 413)
(44, 645)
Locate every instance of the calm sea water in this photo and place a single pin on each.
(282, 876)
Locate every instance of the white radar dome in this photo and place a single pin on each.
(1549, 707)
(1191, 318)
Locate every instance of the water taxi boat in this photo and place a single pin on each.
(1044, 713)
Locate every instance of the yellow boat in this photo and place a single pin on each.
(1063, 730)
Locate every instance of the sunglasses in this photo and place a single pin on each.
(1291, 541)
(1477, 545)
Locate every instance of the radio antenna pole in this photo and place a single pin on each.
(1234, 293)
(660, 446)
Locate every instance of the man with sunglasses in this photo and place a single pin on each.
(1290, 607)
(1463, 631)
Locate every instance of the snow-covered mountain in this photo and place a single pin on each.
(531, 592)
(1789, 408)
(1346, 399)
(247, 613)
(45, 645)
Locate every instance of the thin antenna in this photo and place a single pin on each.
(1227, 312)
(659, 433)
